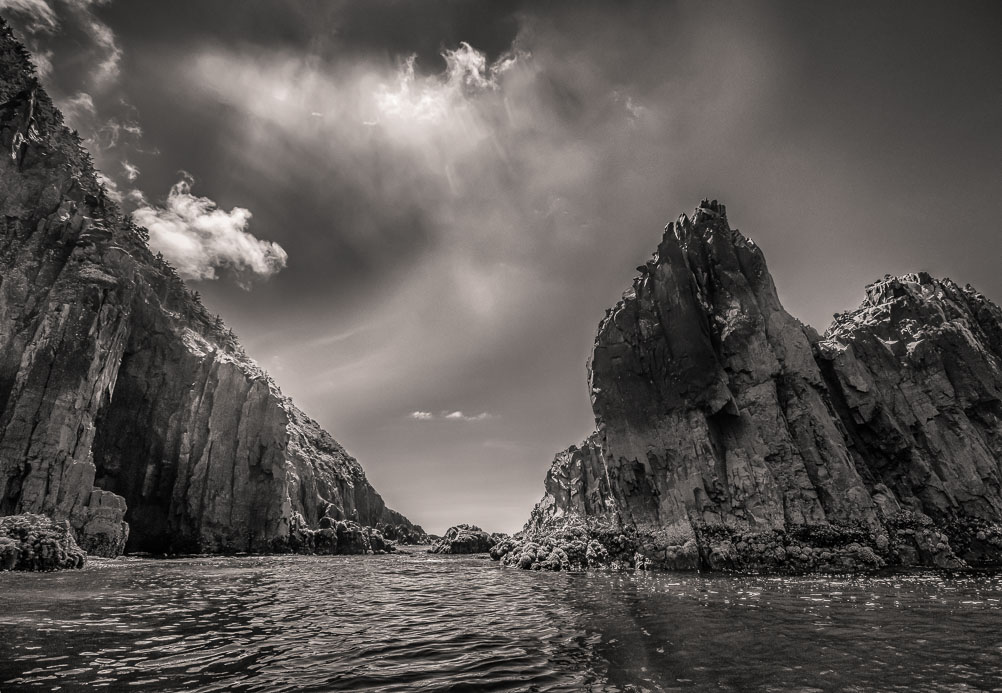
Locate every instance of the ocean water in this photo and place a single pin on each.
(418, 622)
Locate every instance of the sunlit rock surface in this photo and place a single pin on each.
(464, 539)
(727, 426)
(125, 408)
(36, 542)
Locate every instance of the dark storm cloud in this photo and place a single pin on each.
(463, 188)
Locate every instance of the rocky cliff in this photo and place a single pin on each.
(125, 408)
(726, 426)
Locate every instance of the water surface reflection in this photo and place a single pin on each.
(422, 622)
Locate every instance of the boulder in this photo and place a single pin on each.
(464, 539)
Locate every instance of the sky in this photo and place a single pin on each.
(415, 214)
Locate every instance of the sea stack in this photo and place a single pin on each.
(731, 435)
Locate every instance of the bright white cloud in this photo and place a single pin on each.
(460, 416)
(422, 415)
(198, 238)
(432, 97)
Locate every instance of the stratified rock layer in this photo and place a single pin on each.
(124, 407)
(726, 424)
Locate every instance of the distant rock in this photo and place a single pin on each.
(404, 534)
(126, 408)
(337, 537)
(465, 539)
(35, 542)
(730, 436)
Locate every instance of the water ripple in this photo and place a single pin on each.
(428, 623)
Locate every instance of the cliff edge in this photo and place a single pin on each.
(125, 408)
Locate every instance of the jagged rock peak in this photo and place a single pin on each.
(723, 421)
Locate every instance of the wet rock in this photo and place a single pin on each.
(35, 542)
(404, 534)
(465, 539)
(334, 537)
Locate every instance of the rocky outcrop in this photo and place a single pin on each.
(727, 426)
(465, 539)
(125, 408)
(404, 534)
(35, 542)
(337, 538)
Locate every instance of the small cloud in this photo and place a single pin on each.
(460, 416)
(634, 109)
(450, 416)
(131, 171)
(198, 238)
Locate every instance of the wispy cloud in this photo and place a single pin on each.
(40, 18)
(131, 171)
(431, 97)
(38, 14)
(422, 415)
(78, 109)
(199, 239)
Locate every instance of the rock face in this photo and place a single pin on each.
(34, 542)
(724, 423)
(463, 539)
(125, 408)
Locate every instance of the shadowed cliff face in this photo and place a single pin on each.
(717, 409)
(123, 402)
(916, 373)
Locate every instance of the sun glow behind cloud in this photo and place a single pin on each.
(435, 97)
(477, 192)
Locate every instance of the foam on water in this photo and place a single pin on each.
(438, 623)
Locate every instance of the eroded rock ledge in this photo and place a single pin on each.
(731, 436)
(125, 408)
